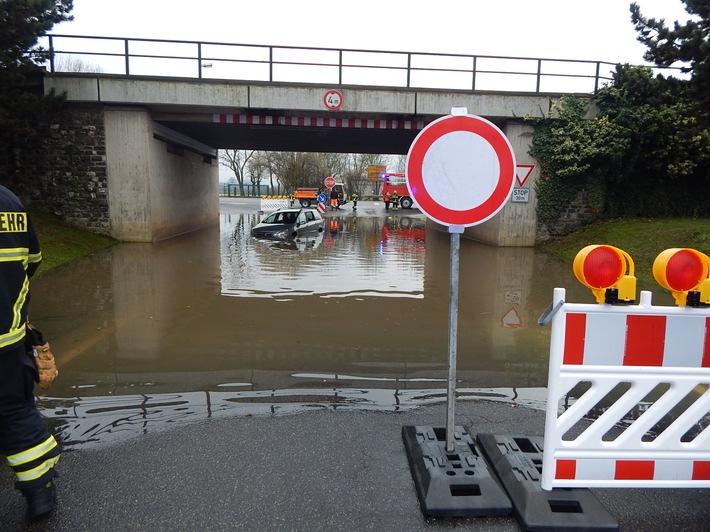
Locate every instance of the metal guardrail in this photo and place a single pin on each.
(274, 64)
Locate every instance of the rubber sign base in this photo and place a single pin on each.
(452, 484)
(517, 460)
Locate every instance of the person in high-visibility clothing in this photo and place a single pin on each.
(29, 449)
(354, 197)
(395, 200)
(334, 199)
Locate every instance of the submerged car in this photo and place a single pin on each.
(285, 224)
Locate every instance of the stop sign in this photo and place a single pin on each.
(329, 182)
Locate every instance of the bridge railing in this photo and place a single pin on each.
(274, 64)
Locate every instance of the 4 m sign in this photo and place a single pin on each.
(333, 100)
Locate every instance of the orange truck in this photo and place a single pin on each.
(398, 183)
(306, 196)
(309, 196)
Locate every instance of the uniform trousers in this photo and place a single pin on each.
(29, 449)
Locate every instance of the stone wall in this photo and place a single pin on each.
(64, 168)
(579, 213)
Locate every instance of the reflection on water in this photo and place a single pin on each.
(353, 257)
(91, 421)
(358, 313)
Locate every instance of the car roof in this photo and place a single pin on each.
(294, 209)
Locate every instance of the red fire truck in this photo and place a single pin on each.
(398, 183)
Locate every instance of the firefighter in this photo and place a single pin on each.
(29, 449)
(354, 197)
(395, 200)
(387, 200)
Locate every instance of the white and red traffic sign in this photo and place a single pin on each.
(460, 170)
(333, 99)
(522, 172)
(329, 182)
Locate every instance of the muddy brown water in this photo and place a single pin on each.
(216, 323)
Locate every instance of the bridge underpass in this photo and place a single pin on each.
(162, 137)
(190, 98)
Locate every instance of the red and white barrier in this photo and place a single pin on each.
(321, 208)
(273, 204)
(642, 374)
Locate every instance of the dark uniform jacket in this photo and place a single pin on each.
(19, 258)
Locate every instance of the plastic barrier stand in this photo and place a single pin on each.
(517, 461)
(456, 484)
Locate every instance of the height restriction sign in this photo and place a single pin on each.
(460, 169)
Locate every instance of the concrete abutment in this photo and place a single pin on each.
(156, 190)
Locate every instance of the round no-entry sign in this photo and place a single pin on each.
(329, 182)
(460, 170)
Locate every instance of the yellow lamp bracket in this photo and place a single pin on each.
(624, 291)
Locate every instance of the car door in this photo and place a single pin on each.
(302, 224)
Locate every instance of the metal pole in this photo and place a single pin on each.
(126, 51)
(453, 323)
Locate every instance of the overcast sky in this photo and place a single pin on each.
(598, 30)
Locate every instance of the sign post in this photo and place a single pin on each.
(460, 171)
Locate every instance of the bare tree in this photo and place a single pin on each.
(236, 161)
(258, 168)
(291, 170)
(358, 171)
(72, 63)
(299, 169)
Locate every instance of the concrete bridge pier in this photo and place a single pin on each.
(516, 224)
(159, 184)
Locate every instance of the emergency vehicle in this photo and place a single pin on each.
(398, 183)
(309, 196)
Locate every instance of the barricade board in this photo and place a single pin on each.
(634, 382)
(270, 205)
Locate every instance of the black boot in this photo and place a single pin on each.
(42, 500)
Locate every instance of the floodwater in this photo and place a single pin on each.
(216, 323)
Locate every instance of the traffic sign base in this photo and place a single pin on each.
(517, 460)
(456, 484)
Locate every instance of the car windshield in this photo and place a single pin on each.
(281, 218)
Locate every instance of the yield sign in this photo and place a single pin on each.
(511, 319)
(522, 172)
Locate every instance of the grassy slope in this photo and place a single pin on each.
(62, 243)
(642, 239)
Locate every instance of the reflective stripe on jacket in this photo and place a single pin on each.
(19, 258)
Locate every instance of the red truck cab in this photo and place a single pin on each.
(398, 183)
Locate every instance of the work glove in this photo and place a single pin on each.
(42, 357)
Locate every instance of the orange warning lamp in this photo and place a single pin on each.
(686, 273)
(604, 269)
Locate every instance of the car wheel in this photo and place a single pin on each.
(406, 203)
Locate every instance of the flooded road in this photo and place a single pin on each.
(216, 323)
